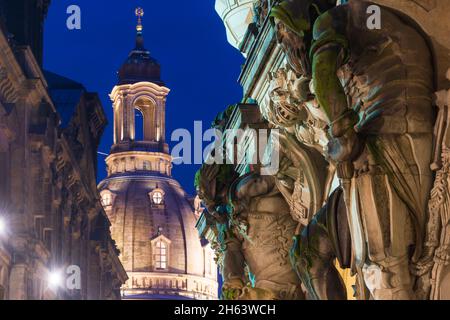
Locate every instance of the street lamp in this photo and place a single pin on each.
(55, 279)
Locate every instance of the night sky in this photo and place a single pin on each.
(186, 37)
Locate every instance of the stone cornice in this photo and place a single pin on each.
(20, 74)
(132, 161)
(65, 156)
(139, 88)
(258, 58)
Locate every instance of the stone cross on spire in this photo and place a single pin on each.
(139, 13)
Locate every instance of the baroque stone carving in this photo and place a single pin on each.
(255, 231)
(433, 267)
(379, 138)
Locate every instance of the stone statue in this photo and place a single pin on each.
(324, 234)
(433, 268)
(374, 88)
(254, 230)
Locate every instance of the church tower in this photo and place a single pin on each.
(152, 218)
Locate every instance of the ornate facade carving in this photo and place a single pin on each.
(350, 117)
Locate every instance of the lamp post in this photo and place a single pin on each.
(55, 281)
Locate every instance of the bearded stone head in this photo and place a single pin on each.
(293, 21)
(212, 182)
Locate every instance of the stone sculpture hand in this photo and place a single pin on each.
(344, 144)
(232, 289)
(422, 269)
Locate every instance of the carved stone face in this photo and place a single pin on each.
(285, 108)
(294, 47)
(283, 112)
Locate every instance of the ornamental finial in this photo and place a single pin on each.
(139, 13)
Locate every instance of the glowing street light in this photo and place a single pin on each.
(55, 279)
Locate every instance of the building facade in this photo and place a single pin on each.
(285, 99)
(52, 223)
(153, 219)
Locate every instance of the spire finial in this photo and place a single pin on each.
(139, 13)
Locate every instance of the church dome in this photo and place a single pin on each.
(140, 66)
(153, 220)
(153, 224)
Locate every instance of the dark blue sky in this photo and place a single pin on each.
(186, 37)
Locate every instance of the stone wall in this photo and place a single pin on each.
(49, 203)
(429, 14)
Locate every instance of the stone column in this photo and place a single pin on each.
(18, 282)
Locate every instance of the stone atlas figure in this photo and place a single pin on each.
(254, 228)
(323, 237)
(255, 231)
(374, 88)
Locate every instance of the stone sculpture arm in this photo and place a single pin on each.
(329, 91)
(328, 54)
(234, 278)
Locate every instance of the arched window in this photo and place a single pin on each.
(145, 120)
(139, 125)
(157, 197)
(161, 255)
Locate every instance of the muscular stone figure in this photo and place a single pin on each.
(255, 230)
(324, 237)
(375, 88)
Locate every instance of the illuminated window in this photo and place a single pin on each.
(157, 197)
(106, 199)
(161, 255)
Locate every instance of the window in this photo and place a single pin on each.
(157, 197)
(106, 199)
(161, 255)
(5, 174)
(39, 226)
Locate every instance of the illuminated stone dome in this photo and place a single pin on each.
(152, 218)
(153, 224)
